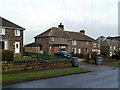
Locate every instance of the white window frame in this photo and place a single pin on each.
(114, 47)
(6, 45)
(94, 45)
(98, 45)
(75, 50)
(111, 53)
(87, 43)
(17, 32)
(62, 40)
(98, 51)
(79, 50)
(111, 48)
(74, 42)
(52, 39)
(2, 31)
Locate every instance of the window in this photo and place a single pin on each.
(110, 53)
(98, 45)
(52, 39)
(62, 40)
(74, 42)
(87, 43)
(98, 51)
(94, 45)
(87, 50)
(114, 47)
(110, 47)
(17, 32)
(79, 50)
(2, 31)
(74, 50)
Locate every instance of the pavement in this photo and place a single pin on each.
(100, 77)
(94, 67)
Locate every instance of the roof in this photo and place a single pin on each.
(34, 44)
(4, 22)
(54, 32)
(109, 42)
(58, 32)
(79, 36)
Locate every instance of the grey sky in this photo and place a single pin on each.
(39, 15)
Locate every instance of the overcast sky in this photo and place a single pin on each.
(97, 17)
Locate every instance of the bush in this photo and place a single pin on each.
(33, 57)
(7, 55)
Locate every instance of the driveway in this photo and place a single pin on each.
(101, 77)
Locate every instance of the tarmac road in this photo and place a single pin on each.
(107, 78)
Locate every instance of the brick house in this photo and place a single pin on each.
(109, 46)
(57, 38)
(11, 36)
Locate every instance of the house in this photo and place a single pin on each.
(11, 36)
(114, 38)
(108, 47)
(101, 39)
(56, 38)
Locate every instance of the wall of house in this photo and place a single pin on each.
(82, 45)
(33, 49)
(105, 50)
(44, 41)
(11, 38)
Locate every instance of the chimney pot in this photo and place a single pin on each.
(61, 26)
(82, 32)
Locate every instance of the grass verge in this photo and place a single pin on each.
(25, 76)
(113, 63)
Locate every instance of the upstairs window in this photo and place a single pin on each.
(94, 45)
(2, 31)
(53, 39)
(62, 40)
(111, 48)
(74, 42)
(98, 45)
(17, 32)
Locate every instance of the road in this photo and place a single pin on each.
(107, 78)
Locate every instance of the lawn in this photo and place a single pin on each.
(24, 76)
(113, 63)
(22, 58)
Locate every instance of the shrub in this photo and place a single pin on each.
(93, 55)
(33, 57)
(81, 55)
(7, 55)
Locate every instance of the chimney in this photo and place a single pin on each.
(61, 26)
(82, 32)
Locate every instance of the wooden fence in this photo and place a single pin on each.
(35, 65)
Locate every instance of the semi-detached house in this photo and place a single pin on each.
(56, 38)
(11, 36)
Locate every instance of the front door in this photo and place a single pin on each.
(52, 51)
(17, 47)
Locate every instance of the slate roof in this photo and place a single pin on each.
(78, 36)
(53, 32)
(109, 42)
(58, 32)
(4, 22)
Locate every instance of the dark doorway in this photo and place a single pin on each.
(1, 44)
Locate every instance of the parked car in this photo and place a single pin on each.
(62, 53)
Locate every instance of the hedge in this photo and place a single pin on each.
(7, 55)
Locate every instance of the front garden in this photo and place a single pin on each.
(34, 66)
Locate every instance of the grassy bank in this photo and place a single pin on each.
(24, 76)
(113, 63)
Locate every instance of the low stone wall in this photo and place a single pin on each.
(34, 65)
